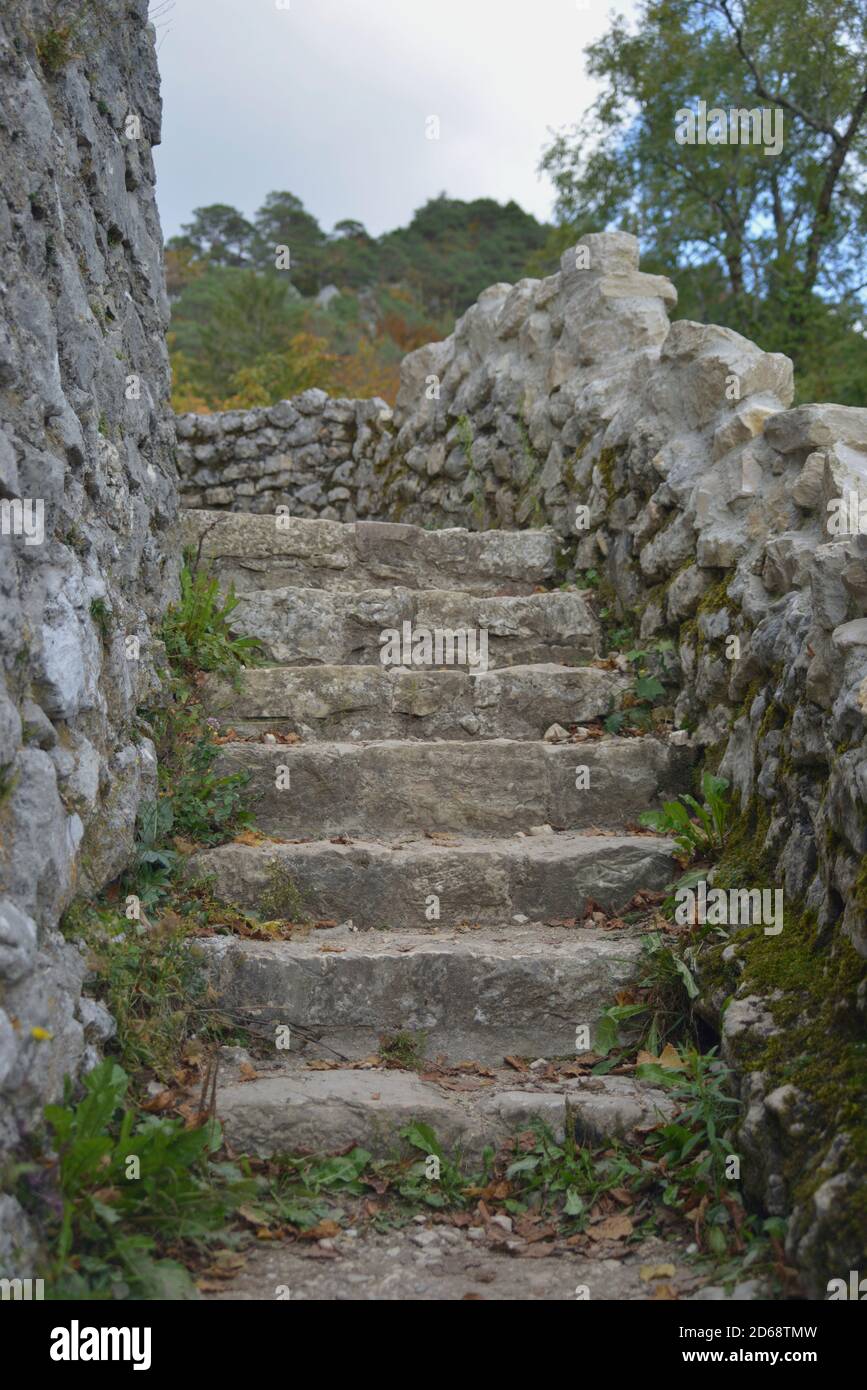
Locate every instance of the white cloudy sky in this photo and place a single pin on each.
(329, 98)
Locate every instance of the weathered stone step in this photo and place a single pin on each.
(267, 552)
(378, 702)
(295, 1109)
(298, 627)
(484, 994)
(402, 883)
(493, 787)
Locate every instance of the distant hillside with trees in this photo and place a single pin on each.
(251, 325)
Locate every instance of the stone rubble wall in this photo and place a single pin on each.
(314, 454)
(706, 519)
(84, 309)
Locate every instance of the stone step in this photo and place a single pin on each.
(485, 994)
(494, 787)
(269, 552)
(400, 883)
(298, 627)
(297, 1110)
(327, 703)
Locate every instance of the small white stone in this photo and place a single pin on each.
(555, 734)
(424, 1238)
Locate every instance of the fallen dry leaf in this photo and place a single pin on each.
(516, 1063)
(612, 1228)
(324, 1230)
(650, 1272)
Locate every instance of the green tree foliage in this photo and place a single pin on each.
(246, 333)
(769, 245)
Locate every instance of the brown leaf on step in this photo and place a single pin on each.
(226, 1264)
(247, 837)
(475, 1067)
(184, 846)
(588, 1059)
(340, 840)
(621, 1195)
(534, 1252)
(324, 1230)
(459, 1083)
(332, 950)
(612, 1228)
(531, 1232)
(325, 923)
(669, 1058)
(318, 1252)
(164, 1101)
(322, 1064)
(648, 1273)
(248, 1072)
(562, 922)
(516, 1063)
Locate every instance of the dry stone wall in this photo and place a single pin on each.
(313, 454)
(88, 500)
(668, 460)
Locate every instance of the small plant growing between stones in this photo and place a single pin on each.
(697, 828)
(403, 1050)
(123, 1193)
(101, 614)
(55, 47)
(465, 439)
(282, 900)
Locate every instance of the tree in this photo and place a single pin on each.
(219, 234)
(282, 220)
(226, 320)
(753, 239)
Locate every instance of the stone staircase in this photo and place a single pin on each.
(421, 811)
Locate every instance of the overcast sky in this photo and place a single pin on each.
(330, 99)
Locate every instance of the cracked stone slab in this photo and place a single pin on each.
(496, 786)
(486, 880)
(326, 703)
(255, 552)
(295, 1110)
(483, 994)
(313, 626)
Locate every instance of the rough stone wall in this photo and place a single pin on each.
(316, 455)
(706, 518)
(85, 431)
